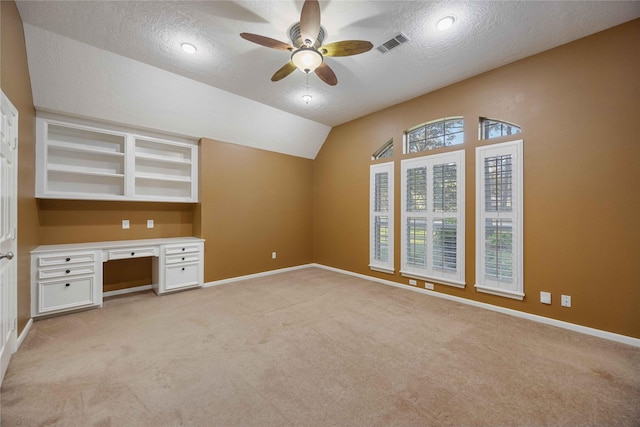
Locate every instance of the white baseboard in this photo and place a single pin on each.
(536, 318)
(127, 290)
(23, 334)
(256, 275)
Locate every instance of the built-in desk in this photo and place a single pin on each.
(69, 277)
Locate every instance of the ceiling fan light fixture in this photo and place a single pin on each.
(307, 98)
(445, 23)
(306, 59)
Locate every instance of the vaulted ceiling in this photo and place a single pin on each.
(121, 61)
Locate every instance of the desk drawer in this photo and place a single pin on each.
(188, 248)
(135, 252)
(180, 258)
(182, 276)
(64, 271)
(57, 259)
(65, 294)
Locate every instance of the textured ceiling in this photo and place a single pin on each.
(486, 35)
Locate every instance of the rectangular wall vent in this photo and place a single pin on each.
(394, 42)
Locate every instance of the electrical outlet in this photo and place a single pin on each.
(149, 223)
(125, 224)
(273, 255)
(428, 286)
(545, 297)
(413, 282)
(565, 300)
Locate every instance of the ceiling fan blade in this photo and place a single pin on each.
(283, 72)
(346, 48)
(326, 74)
(266, 41)
(310, 21)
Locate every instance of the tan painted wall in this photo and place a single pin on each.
(254, 202)
(578, 106)
(15, 83)
(76, 221)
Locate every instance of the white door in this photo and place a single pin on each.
(8, 231)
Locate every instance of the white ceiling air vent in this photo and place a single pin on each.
(394, 42)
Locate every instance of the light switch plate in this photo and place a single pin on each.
(125, 224)
(149, 223)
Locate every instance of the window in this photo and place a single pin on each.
(385, 151)
(499, 258)
(436, 134)
(495, 129)
(433, 218)
(381, 218)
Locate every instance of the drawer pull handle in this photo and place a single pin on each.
(133, 253)
(67, 271)
(67, 259)
(182, 249)
(182, 268)
(183, 258)
(67, 284)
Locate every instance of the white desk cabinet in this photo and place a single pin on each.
(179, 267)
(87, 161)
(69, 277)
(66, 280)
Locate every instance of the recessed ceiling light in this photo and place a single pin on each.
(445, 23)
(188, 47)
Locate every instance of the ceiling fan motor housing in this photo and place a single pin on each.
(296, 37)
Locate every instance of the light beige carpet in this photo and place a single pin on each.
(313, 348)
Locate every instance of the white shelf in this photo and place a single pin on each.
(162, 159)
(62, 145)
(155, 177)
(85, 161)
(78, 170)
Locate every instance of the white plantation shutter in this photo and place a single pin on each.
(433, 218)
(445, 210)
(415, 216)
(381, 217)
(499, 219)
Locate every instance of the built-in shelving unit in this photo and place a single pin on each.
(83, 161)
(163, 170)
(77, 161)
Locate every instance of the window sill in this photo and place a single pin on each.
(500, 292)
(382, 269)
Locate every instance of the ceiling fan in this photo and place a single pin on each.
(307, 51)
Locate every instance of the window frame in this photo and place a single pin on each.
(514, 148)
(483, 125)
(405, 135)
(381, 152)
(428, 273)
(374, 263)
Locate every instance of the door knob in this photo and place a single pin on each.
(8, 255)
